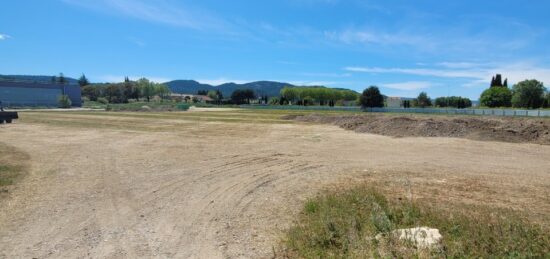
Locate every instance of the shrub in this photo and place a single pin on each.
(496, 97)
(528, 94)
(102, 100)
(371, 97)
(64, 101)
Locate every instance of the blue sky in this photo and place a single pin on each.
(404, 47)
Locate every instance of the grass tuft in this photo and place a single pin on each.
(345, 225)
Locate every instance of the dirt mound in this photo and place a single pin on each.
(517, 130)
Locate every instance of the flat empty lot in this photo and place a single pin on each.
(225, 184)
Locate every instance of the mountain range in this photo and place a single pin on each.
(261, 88)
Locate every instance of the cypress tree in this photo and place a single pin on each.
(505, 82)
(498, 80)
(493, 82)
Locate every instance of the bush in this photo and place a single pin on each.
(371, 98)
(102, 100)
(528, 94)
(64, 101)
(496, 97)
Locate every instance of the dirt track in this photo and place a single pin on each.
(191, 189)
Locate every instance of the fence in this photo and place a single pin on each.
(487, 112)
(303, 108)
(491, 112)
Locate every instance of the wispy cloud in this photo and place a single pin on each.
(447, 73)
(336, 75)
(160, 11)
(409, 86)
(373, 37)
(478, 74)
(4, 36)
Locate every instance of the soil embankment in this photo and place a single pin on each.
(515, 130)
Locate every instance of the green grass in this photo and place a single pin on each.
(344, 225)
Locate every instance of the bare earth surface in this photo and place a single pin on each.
(506, 129)
(225, 184)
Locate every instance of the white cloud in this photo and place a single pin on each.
(448, 73)
(479, 73)
(313, 83)
(409, 86)
(372, 37)
(337, 75)
(156, 11)
(4, 36)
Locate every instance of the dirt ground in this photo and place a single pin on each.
(226, 184)
(506, 129)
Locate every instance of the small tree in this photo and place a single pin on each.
(496, 97)
(371, 97)
(423, 100)
(147, 89)
(83, 81)
(528, 94)
(64, 101)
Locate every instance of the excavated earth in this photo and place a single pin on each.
(505, 129)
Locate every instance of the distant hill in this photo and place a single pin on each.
(261, 88)
(36, 79)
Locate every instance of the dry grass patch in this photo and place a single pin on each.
(13, 165)
(344, 224)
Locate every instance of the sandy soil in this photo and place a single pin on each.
(228, 190)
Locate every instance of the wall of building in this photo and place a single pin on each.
(14, 94)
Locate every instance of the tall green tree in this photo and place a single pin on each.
(147, 88)
(528, 94)
(422, 100)
(371, 98)
(83, 81)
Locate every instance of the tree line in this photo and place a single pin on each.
(142, 89)
(528, 94)
(315, 96)
(373, 98)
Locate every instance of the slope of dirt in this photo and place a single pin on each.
(515, 130)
